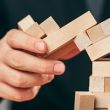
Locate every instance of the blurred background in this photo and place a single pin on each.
(59, 94)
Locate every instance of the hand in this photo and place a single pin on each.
(21, 73)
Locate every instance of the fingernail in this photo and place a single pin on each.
(59, 68)
(40, 46)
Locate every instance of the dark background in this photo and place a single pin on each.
(58, 95)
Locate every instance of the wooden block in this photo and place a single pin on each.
(99, 31)
(67, 33)
(96, 33)
(49, 26)
(64, 35)
(96, 84)
(99, 49)
(35, 31)
(26, 23)
(32, 28)
(101, 68)
(107, 84)
(82, 41)
(102, 100)
(64, 51)
(106, 27)
(77, 45)
(84, 101)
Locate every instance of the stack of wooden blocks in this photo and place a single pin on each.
(98, 97)
(78, 35)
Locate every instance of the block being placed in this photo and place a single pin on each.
(49, 25)
(99, 31)
(99, 49)
(101, 68)
(102, 100)
(64, 35)
(84, 101)
(96, 84)
(31, 27)
(78, 44)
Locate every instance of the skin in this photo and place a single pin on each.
(22, 73)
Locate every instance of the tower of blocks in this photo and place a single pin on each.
(83, 33)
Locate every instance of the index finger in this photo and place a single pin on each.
(20, 40)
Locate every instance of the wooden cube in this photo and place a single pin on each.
(82, 41)
(102, 100)
(49, 26)
(26, 23)
(99, 31)
(101, 68)
(31, 27)
(99, 49)
(84, 101)
(96, 84)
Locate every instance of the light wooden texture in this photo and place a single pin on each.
(106, 27)
(99, 49)
(102, 100)
(107, 84)
(101, 68)
(49, 26)
(84, 101)
(96, 84)
(31, 27)
(96, 33)
(82, 41)
(78, 44)
(26, 23)
(61, 37)
(35, 31)
(99, 31)
(64, 51)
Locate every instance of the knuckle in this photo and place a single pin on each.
(15, 59)
(19, 81)
(47, 68)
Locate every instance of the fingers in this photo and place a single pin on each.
(19, 40)
(16, 94)
(22, 79)
(25, 62)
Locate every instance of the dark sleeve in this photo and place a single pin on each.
(3, 22)
(2, 28)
